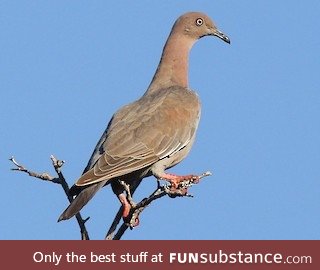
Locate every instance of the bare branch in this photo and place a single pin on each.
(114, 225)
(133, 219)
(57, 164)
(43, 176)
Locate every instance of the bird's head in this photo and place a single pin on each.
(196, 25)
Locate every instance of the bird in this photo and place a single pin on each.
(153, 133)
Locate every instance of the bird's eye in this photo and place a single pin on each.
(199, 21)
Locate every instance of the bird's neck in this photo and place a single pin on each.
(173, 66)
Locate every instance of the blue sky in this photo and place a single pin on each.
(66, 67)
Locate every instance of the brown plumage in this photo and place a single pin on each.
(155, 132)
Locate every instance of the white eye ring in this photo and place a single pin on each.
(199, 21)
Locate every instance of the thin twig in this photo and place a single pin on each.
(57, 164)
(42, 176)
(111, 232)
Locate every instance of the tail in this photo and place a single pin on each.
(81, 200)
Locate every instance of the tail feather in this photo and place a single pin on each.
(81, 200)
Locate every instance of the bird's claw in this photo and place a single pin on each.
(181, 189)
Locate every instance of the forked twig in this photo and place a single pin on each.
(57, 164)
(132, 220)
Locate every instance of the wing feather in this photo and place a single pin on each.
(142, 133)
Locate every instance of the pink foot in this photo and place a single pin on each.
(126, 205)
(126, 210)
(175, 180)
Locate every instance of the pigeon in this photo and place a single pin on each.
(153, 133)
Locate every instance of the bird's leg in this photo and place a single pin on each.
(125, 204)
(118, 188)
(127, 189)
(128, 211)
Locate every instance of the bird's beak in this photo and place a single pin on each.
(220, 35)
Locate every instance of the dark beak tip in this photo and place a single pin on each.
(222, 36)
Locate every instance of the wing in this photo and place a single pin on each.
(144, 132)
